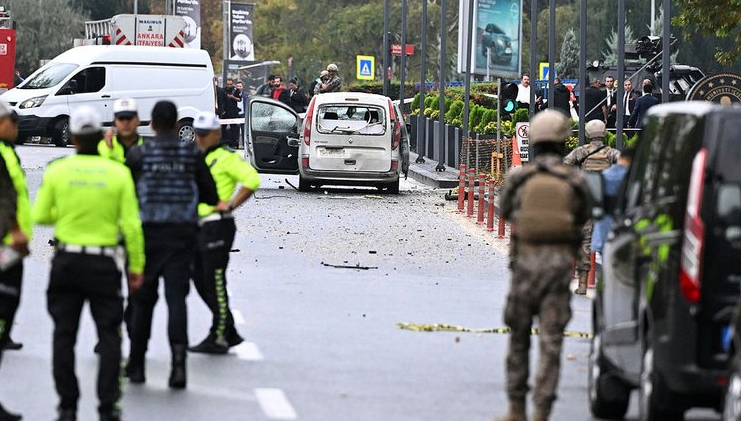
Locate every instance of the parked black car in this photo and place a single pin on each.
(671, 267)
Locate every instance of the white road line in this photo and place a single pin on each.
(248, 351)
(274, 404)
(238, 319)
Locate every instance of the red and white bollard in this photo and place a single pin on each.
(501, 227)
(490, 208)
(462, 188)
(471, 186)
(482, 193)
(592, 270)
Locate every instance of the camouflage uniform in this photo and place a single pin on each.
(541, 274)
(334, 84)
(597, 162)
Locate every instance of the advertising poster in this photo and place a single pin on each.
(240, 31)
(496, 50)
(190, 10)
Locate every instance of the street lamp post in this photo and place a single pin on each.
(421, 138)
(467, 94)
(402, 73)
(583, 82)
(443, 37)
(386, 47)
(533, 51)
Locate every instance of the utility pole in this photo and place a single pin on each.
(551, 51)
(620, 75)
(583, 82)
(225, 44)
(402, 72)
(533, 52)
(386, 47)
(666, 51)
(467, 93)
(653, 17)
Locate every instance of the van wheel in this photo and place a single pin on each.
(608, 396)
(60, 133)
(393, 188)
(732, 399)
(186, 133)
(304, 185)
(655, 401)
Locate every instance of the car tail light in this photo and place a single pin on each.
(693, 240)
(305, 162)
(394, 165)
(307, 123)
(396, 139)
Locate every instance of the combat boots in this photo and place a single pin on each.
(582, 288)
(177, 373)
(135, 366)
(516, 412)
(541, 414)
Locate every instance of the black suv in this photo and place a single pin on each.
(671, 267)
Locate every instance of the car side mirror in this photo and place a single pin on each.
(595, 185)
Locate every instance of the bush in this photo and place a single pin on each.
(455, 111)
(415, 102)
(521, 115)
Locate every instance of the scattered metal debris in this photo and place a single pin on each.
(357, 266)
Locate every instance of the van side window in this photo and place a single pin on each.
(679, 138)
(271, 118)
(89, 80)
(729, 154)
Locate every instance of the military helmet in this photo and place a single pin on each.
(595, 129)
(549, 126)
(332, 68)
(323, 73)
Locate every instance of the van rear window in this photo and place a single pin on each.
(351, 119)
(729, 154)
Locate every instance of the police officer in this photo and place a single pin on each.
(126, 121)
(171, 179)
(91, 201)
(217, 231)
(549, 203)
(15, 229)
(593, 157)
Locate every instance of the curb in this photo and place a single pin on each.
(426, 174)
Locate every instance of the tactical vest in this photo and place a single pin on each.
(546, 209)
(167, 188)
(598, 160)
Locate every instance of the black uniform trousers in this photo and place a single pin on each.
(169, 249)
(76, 278)
(215, 241)
(10, 297)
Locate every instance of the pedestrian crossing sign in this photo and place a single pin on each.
(366, 67)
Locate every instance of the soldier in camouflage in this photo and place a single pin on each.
(593, 157)
(334, 81)
(548, 202)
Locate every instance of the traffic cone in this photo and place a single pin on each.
(516, 159)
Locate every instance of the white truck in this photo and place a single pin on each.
(145, 30)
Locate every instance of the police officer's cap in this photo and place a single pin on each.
(549, 126)
(124, 108)
(595, 129)
(7, 111)
(206, 122)
(85, 120)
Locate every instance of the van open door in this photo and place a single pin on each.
(272, 136)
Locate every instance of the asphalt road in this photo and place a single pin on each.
(322, 342)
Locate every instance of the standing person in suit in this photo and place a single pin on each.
(561, 97)
(629, 101)
(595, 106)
(611, 104)
(642, 105)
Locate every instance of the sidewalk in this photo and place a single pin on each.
(425, 173)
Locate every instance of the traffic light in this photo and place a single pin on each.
(508, 99)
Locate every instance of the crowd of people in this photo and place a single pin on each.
(150, 209)
(600, 104)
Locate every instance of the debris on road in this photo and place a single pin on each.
(439, 327)
(357, 266)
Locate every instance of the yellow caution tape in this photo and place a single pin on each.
(439, 327)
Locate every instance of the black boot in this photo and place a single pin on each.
(211, 345)
(177, 374)
(135, 366)
(8, 416)
(11, 345)
(110, 416)
(66, 414)
(233, 338)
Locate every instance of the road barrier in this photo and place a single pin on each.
(471, 181)
(462, 188)
(490, 208)
(482, 193)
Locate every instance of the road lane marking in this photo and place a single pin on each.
(238, 319)
(274, 404)
(440, 327)
(248, 351)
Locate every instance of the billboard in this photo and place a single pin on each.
(496, 48)
(190, 10)
(240, 31)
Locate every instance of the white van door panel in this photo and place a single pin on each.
(90, 90)
(342, 142)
